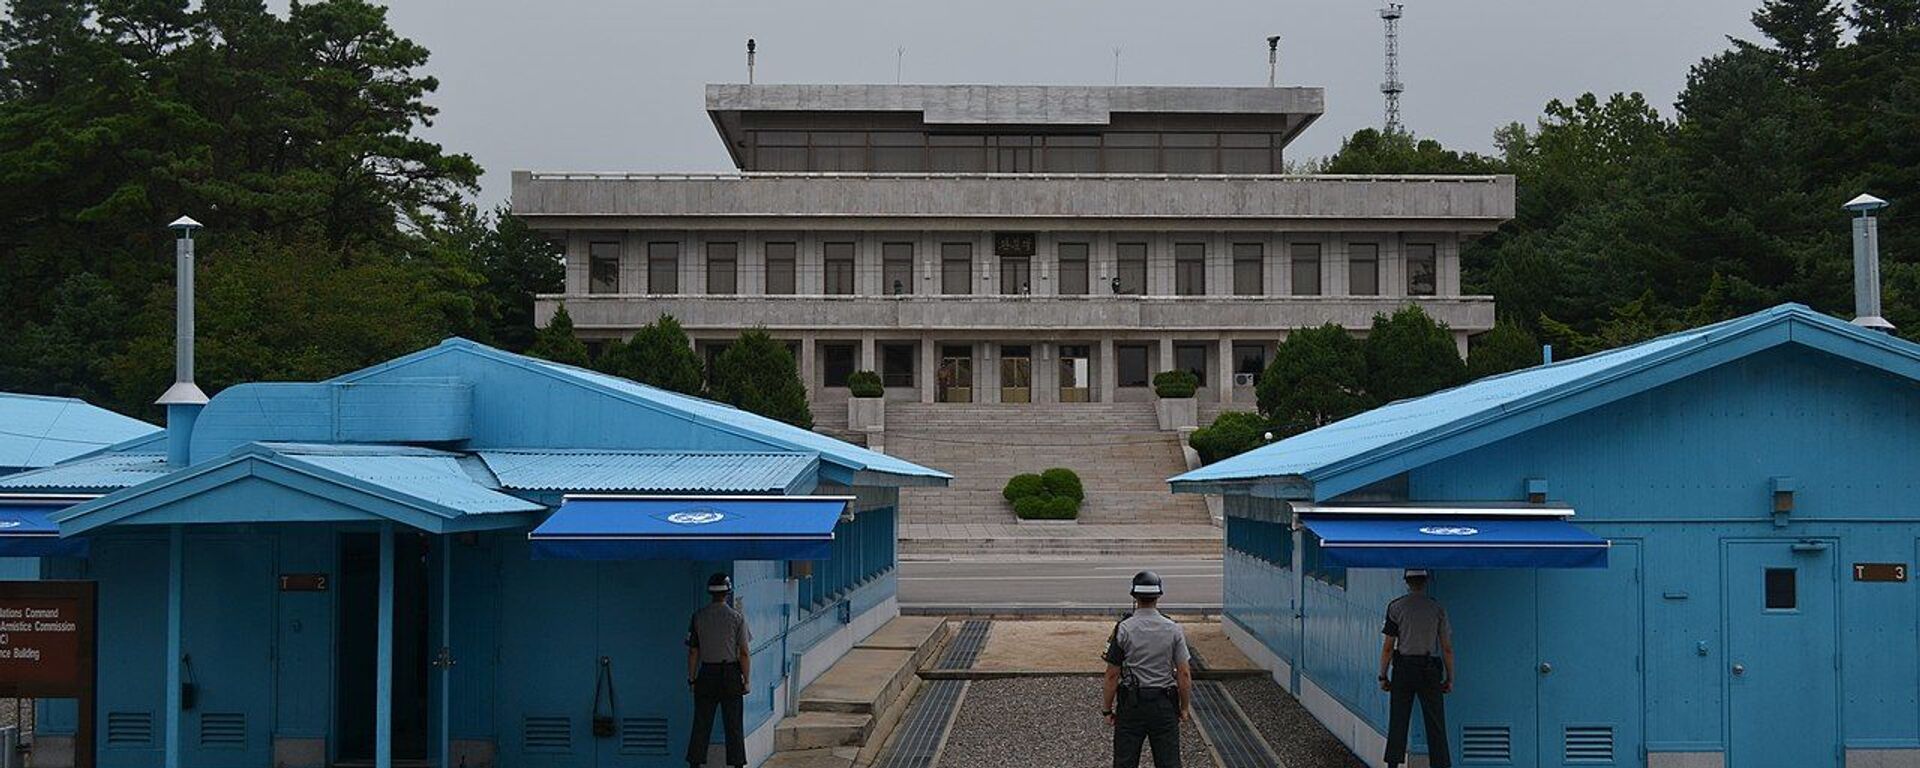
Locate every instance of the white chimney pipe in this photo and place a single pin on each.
(1866, 263)
(184, 399)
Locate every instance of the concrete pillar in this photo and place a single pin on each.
(1165, 363)
(633, 262)
(1109, 371)
(576, 261)
(1225, 367)
(807, 357)
(929, 365)
(986, 371)
(868, 351)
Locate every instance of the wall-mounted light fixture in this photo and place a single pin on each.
(1536, 490)
(1783, 488)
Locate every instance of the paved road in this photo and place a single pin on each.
(1191, 584)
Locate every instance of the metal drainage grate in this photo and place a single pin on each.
(966, 645)
(916, 743)
(1233, 737)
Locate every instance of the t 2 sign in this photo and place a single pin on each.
(1880, 572)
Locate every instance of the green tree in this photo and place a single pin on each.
(1317, 377)
(556, 342)
(1803, 31)
(660, 355)
(758, 374)
(1409, 354)
(1231, 433)
(1508, 347)
(1370, 150)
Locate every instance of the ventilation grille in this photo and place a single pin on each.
(643, 736)
(1589, 744)
(548, 735)
(1486, 744)
(223, 730)
(129, 729)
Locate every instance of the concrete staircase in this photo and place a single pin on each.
(850, 709)
(1121, 455)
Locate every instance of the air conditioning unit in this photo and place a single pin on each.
(1245, 379)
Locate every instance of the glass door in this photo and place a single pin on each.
(1076, 373)
(956, 374)
(1016, 374)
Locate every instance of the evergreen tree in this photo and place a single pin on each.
(1508, 347)
(1408, 354)
(1803, 31)
(1317, 377)
(556, 342)
(758, 374)
(660, 355)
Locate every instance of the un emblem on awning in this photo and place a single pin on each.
(10, 524)
(696, 516)
(1449, 530)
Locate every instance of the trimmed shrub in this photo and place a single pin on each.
(1230, 434)
(1022, 486)
(866, 384)
(758, 374)
(1175, 383)
(1063, 483)
(1046, 508)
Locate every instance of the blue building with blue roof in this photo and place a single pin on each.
(1693, 551)
(39, 431)
(437, 560)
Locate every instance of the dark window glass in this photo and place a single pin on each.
(837, 362)
(1782, 592)
(1131, 153)
(1076, 373)
(1191, 357)
(663, 268)
(896, 364)
(839, 269)
(1073, 154)
(1130, 276)
(1073, 269)
(1306, 269)
(1363, 269)
(1189, 269)
(1249, 269)
(603, 268)
(899, 151)
(723, 268)
(1014, 154)
(1131, 364)
(957, 154)
(1016, 275)
(1191, 153)
(782, 261)
(838, 151)
(1250, 358)
(956, 268)
(1422, 270)
(1315, 565)
(780, 151)
(1246, 153)
(896, 268)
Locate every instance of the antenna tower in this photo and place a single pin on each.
(1391, 87)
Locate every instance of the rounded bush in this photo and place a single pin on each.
(1175, 383)
(1061, 482)
(1231, 433)
(1023, 486)
(866, 384)
(1047, 508)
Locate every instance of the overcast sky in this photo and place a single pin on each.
(616, 85)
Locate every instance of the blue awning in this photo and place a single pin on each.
(1451, 542)
(690, 528)
(27, 530)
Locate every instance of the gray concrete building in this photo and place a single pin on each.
(1011, 244)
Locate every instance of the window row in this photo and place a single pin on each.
(915, 151)
(956, 269)
(1263, 540)
(1132, 366)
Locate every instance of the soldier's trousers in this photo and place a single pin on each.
(1148, 716)
(718, 686)
(1417, 677)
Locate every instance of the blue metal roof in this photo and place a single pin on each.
(1359, 448)
(40, 431)
(101, 472)
(648, 471)
(438, 480)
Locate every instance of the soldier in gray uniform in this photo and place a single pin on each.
(718, 664)
(1149, 676)
(1418, 651)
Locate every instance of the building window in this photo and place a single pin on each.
(1131, 152)
(723, 268)
(1191, 152)
(1782, 592)
(1246, 153)
(1306, 269)
(899, 151)
(1249, 360)
(780, 151)
(1014, 154)
(1190, 269)
(1422, 270)
(1073, 154)
(896, 364)
(839, 269)
(1076, 373)
(1073, 269)
(896, 268)
(956, 268)
(663, 268)
(1363, 269)
(1016, 275)
(1130, 364)
(1249, 269)
(782, 269)
(838, 151)
(956, 153)
(603, 268)
(1312, 562)
(1130, 276)
(1191, 358)
(837, 361)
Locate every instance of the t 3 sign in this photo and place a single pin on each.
(47, 646)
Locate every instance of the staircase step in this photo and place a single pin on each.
(864, 681)
(814, 730)
(835, 757)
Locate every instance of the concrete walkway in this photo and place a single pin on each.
(1025, 541)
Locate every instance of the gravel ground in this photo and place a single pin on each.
(1301, 741)
(1048, 721)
